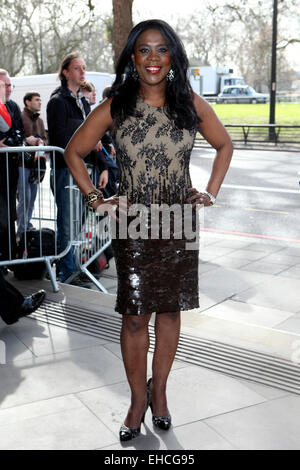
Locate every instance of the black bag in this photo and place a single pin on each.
(36, 270)
(39, 168)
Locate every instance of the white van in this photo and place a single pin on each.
(46, 84)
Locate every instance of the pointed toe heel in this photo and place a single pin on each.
(126, 434)
(161, 422)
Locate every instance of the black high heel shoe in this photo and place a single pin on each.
(126, 434)
(162, 422)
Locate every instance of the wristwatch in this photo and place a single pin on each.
(211, 197)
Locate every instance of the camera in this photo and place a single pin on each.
(14, 138)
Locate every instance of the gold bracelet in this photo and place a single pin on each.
(92, 197)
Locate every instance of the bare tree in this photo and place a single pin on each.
(238, 33)
(37, 34)
(122, 11)
(206, 37)
(14, 44)
(254, 20)
(55, 34)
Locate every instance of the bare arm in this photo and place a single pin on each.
(84, 140)
(215, 133)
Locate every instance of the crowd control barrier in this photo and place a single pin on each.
(89, 232)
(92, 236)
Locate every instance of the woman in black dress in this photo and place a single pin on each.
(154, 116)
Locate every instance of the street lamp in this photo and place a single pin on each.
(273, 73)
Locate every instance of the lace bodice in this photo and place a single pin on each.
(153, 157)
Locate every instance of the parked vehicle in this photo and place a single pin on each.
(47, 83)
(241, 94)
(210, 81)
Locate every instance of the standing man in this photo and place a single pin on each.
(35, 134)
(9, 173)
(66, 111)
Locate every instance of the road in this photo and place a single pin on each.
(260, 195)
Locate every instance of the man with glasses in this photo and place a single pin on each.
(12, 107)
(9, 173)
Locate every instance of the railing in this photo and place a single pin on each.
(280, 98)
(92, 235)
(89, 233)
(263, 134)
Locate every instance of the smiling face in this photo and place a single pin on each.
(152, 58)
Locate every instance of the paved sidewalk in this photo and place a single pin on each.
(66, 390)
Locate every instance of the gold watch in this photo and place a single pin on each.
(93, 196)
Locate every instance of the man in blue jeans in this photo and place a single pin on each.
(35, 134)
(66, 111)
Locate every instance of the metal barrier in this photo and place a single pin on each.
(92, 235)
(274, 133)
(262, 134)
(89, 233)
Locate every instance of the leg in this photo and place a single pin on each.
(67, 264)
(8, 207)
(23, 199)
(135, 345)
(167, 332)
(33, 192)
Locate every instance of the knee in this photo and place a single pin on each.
(134, 324)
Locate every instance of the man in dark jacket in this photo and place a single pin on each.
(12, 138)
(66, 111)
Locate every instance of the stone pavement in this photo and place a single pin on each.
(62, 389)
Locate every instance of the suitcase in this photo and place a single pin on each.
(36, 270)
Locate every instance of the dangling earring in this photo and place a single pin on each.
(134, 74)
(170, 75)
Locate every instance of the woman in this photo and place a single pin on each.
(154, 116)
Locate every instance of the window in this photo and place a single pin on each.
(226, 91)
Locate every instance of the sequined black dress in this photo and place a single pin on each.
(155, 275)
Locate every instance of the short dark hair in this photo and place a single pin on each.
(65, 65)
(29, 95)
(179, 93)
